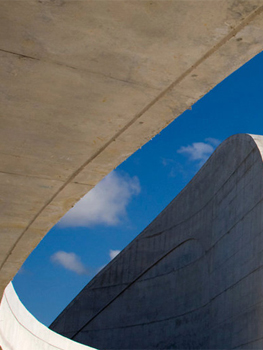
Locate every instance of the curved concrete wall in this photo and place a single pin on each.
(193, 278)
(19, 330)
(86, 83)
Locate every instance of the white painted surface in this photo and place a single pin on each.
(19, 330)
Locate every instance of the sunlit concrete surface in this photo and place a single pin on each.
(19, 330)
(84, 84)
(193, 278)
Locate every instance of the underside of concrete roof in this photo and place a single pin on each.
(84, 84)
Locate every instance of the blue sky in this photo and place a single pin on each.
(129, 198)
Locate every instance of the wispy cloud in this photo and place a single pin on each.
(167, 161)
(213, 141)
(104, 204)
(70, 261)
(113, 253)
(199, 151)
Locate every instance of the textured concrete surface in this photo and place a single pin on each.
(193, 278)
(84, 84)
(19, 330)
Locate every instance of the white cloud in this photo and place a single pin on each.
(167, 161)
(69, 261)
(199, 150)
(113, 253)
(213, 141)
(104, 204)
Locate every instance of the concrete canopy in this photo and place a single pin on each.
(86, 83)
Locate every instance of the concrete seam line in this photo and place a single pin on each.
(168, 318)
(131, 283)
(147, 269)
(33, 177)
(156, 262)
(57, 63)
(198, 308)
(209, 53)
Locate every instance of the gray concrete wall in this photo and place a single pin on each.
(84, 84)
(193, 279)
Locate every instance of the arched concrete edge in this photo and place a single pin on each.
(20, 330)
(52, 187)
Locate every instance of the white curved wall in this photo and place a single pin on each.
(19, 330)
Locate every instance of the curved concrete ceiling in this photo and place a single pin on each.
(86, 83)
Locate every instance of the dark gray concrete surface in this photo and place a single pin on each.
(193, 279)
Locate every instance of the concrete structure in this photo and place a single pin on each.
(84, 84)
(193, 278)
(20, 330)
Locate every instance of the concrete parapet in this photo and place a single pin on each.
(193, 278)
(19, 330)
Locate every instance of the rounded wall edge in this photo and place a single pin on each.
(258, 141)
(20, 330)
